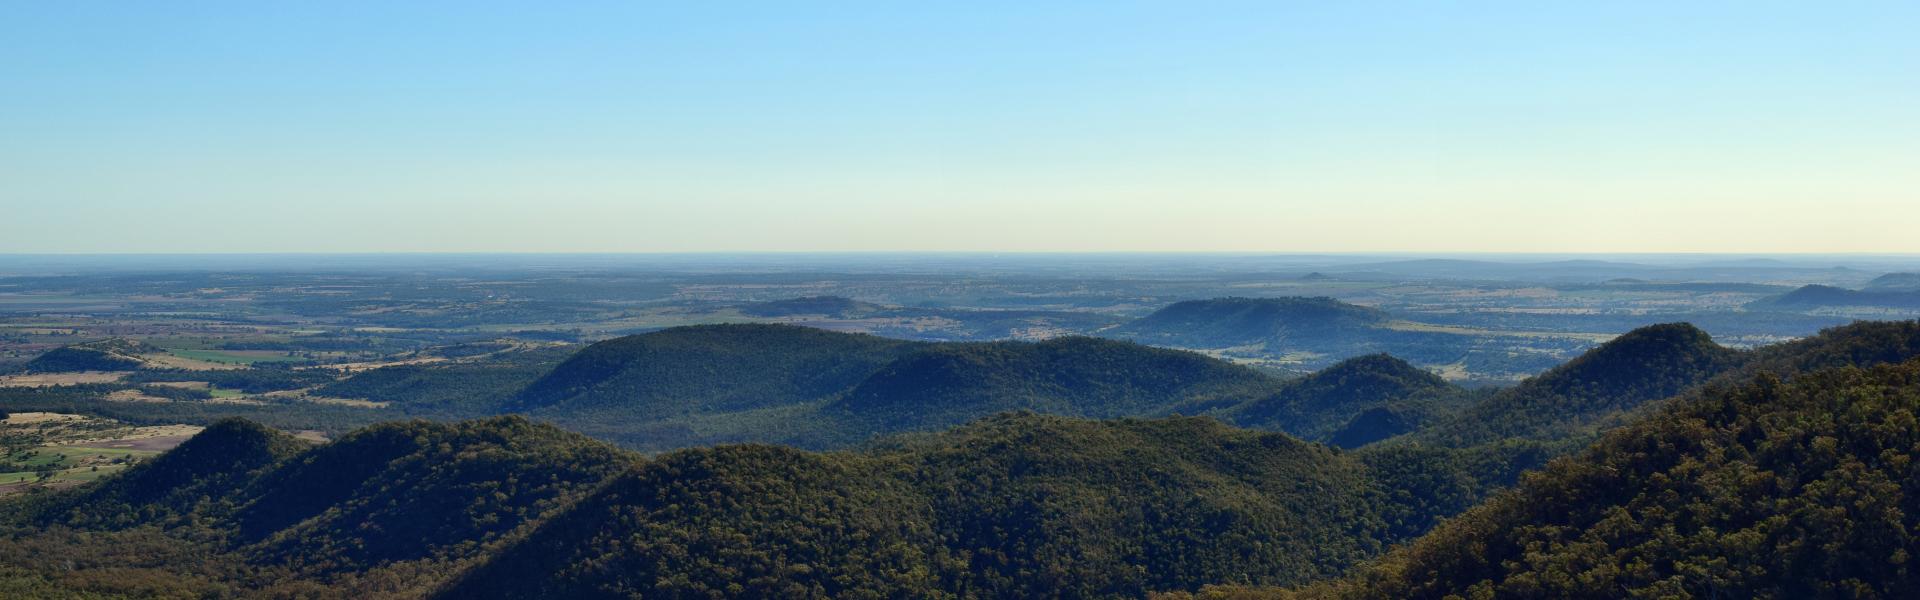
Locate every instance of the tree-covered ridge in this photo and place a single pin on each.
(1018, 505)
(708, 369)
(115, 354)
(458, 389)
(1800, 489)
(1232, 321)
(1646, 364)
(821, 389)
(1894, 295)
(1353, 403)
(1895, 282)
(949, 384)
(183, 482)
(391, 509)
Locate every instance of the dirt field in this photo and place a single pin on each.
(158, 443)
(181, 362)
(133, 396)
(48, 379)
(34, 418)
(80, 448)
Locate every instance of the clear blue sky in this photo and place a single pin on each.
(827, 126)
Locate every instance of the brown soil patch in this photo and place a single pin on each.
(50, 379)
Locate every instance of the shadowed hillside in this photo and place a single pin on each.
(388, 509)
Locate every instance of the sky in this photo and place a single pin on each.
(959, 126)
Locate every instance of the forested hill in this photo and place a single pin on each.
(1357, 401)
(116, 354)
(1646, 364)
(1228, 322)
(390, 509)
(1797, 489)
(1016, 506)
(817, 389)
(950, 384)
(708, 369)
(1819, 296)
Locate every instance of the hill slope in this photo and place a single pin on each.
(1357, 401)
(1821, 296)
(820, 389)
(389, 509)
(949, 384)
(1014, 506)
(105, 355)
(1229, 322)
(1646, 364)
(706, 369)
(1789, 490)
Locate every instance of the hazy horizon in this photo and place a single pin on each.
(1225, 127)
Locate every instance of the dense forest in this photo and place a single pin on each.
(1773, 489)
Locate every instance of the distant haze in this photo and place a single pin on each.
(1750, 127)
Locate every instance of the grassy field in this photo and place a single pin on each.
(231, 357)
(42, 449)
(56, 465)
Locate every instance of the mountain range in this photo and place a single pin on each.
(1659, 463)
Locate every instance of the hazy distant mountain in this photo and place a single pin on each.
(1895, 282)
(1229, 322)
(1890, 295)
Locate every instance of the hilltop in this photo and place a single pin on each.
(392, 508)
(1229, 322)
(708, 368)
(1770, 489)
(113, 354)
(1820, 296)
(1012, 506)
(1895, 282)
(1646, 364)
(830, 306)
(1353, 403)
